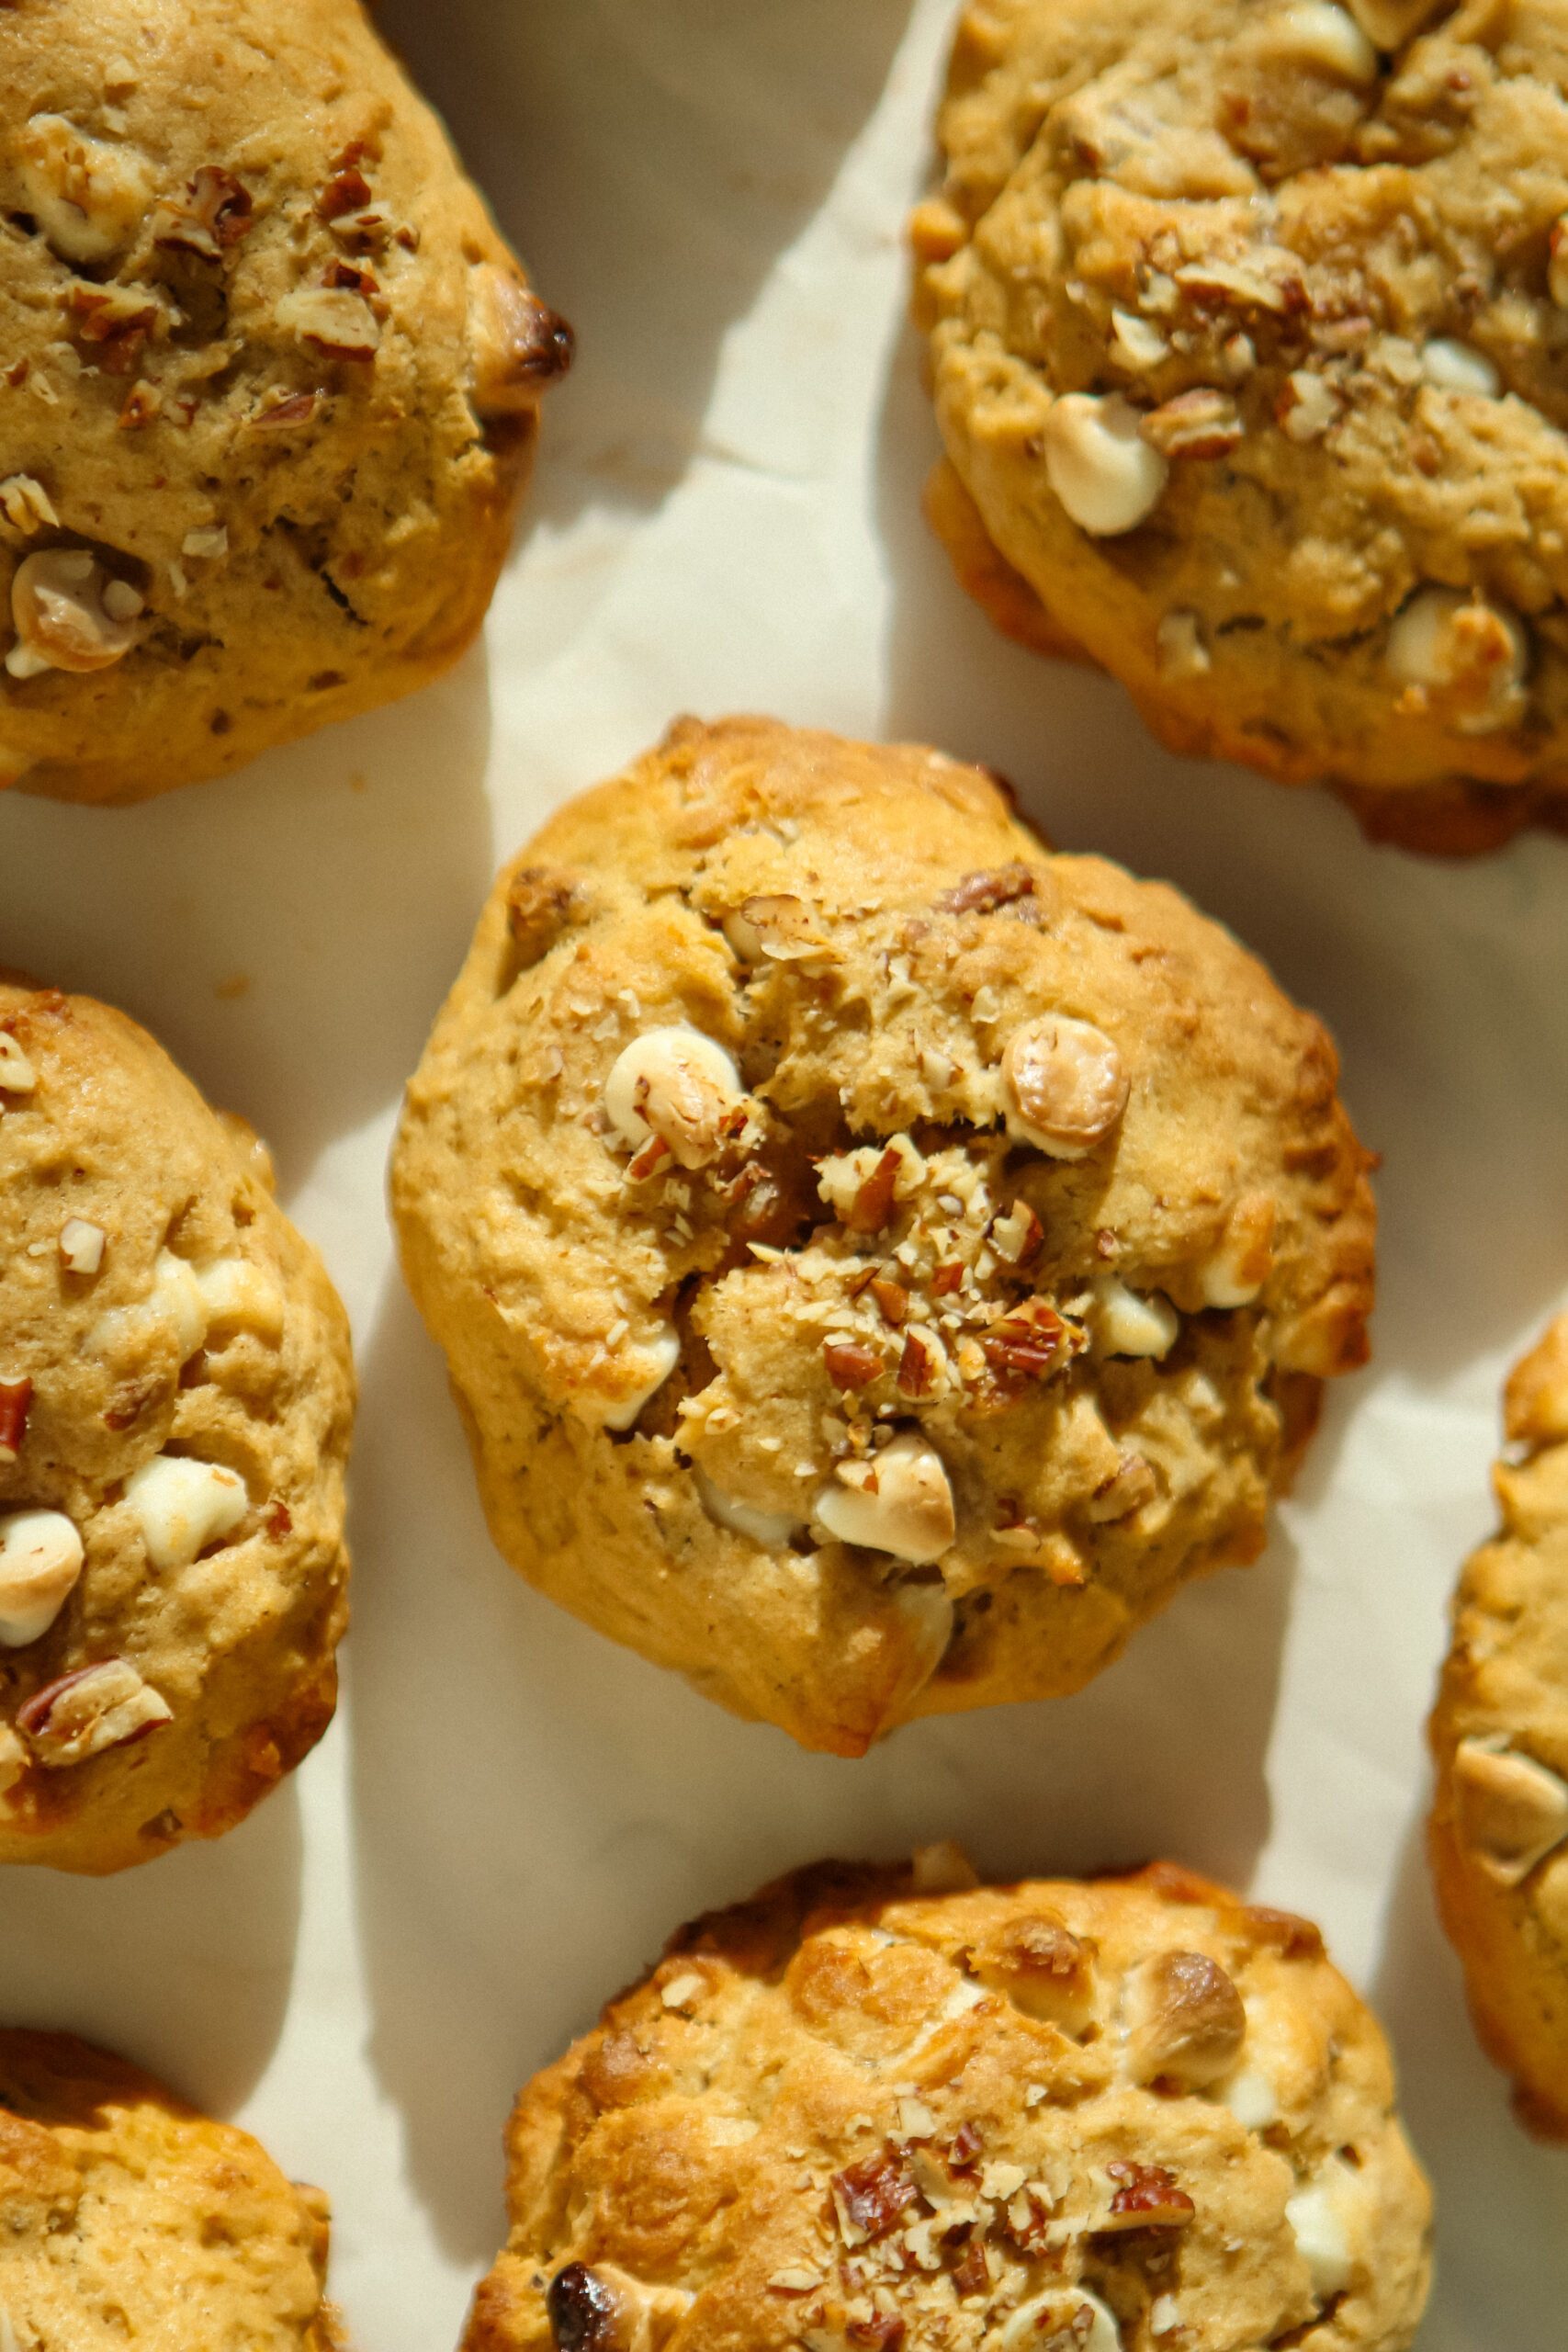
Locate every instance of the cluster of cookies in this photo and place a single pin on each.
(880, 1259)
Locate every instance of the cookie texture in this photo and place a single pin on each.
(175, 1398)
(131, 2219)
(1095, 2116)
(878, 1260)
(1247, 325)
(1499, 1732)
(269, 393)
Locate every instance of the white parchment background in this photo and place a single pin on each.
(509, 1814)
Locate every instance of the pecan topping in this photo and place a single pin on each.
(964, 2148)
(16, 1396)
(983, 893)
(116, 329)
(100, 1706)
(541, 902)
(917, 1365)
(871, 2197)
(873, 1205)
(275, 415)
(214, 217)
(948, 1277)
(1026, 1346)
(1297, 1939)
(883, 2332)
(1148, 2198)
(1200, 423)
(973, 2276)
(851, 1365)
(347, 191)
(892, 1300)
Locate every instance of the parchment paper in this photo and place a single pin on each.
(509, 1814)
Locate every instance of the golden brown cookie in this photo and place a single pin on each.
(129, 2219)
(175, 1399)
(1247, 321)
(1499, 1831)
(269, 383)
(888, 2109)
(878, 1260)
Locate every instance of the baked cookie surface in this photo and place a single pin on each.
(1085, 2117)
(131, 2219)
(1247, 328)
(269, 392)
(878, 1260)
(1499, 1830)
(175, 1399)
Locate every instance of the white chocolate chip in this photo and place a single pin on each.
(237, 1295)
(770, 1528)
(901, 1502)
(1390, 23)
(1239, 1268)
(1317, 2216)
(1134, 343)
(182, 1506)
(1461, 659)
(26, 505)
(1324, 39)
(1061, 2315)
(654, 1364)
(41, 1559)
(1512, 1811)
(70, 614)
(677, 1085)
(1453, 367)
(1165, 2315)
(84, 1714)
(88, 195)
(82, 1245)
(682, 1991)
(1179, 643)
(1105, 474)
(1251, 2099)
(1132, 1323)
(1066, 1086)
(17, 1075)
(176, 1300)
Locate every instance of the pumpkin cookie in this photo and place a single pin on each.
(1499, 1832)
(1074, 2117)
(878, 1260)
(175, 1398)
(1247, 321)
(270, 389)
(131, 2218)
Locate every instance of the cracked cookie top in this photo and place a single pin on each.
(175, 1398)
(878, 1258)
(890, 2109)
(269, 390)
(1247, 321)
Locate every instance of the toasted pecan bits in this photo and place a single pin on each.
(895, 1237)
(924, 2121)
(272, 391)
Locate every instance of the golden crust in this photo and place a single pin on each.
(1499, 1733)
(1163, 202)
(852, 2106)
(126, 2213)
(208, 1331)
(773, 1316)
(312, 533)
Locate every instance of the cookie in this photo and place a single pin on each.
(1499, 1733)
(1246, 327)
(878, 1260)
(129, 2218)
(270, 387)
(175, 1398)
(889, 2108)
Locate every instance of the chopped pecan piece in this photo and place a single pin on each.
(964, 2148)
(948, 1277)
(1200, 423)
(983, 893)
(892, 1300)
(973, 2276)
(16, 1396)
(1148, 2198)
(873, 2196)
(883, 2332)
(276, 415)
(82, 1713)
(347, 191)
(917, 1365)
(541, 902)
(1297, 1939)
(114, 328)
(214, 217)
(873, 1205)
(1028, 1345)
(851, 1365)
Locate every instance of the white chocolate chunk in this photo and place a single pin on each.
(1132, 1323)
(82, 1245)
(1236, 1272)
(1105, 474)
(239, 1297)
(676, 1084)
(1251, 2099)
(1323, 39)
(70, 614)
(1452, 367)
(770, 1528)
(1061, 2315)
(1066, 1085)
(17, 1075)
(899, 1502)
(1390, 23)
(182, 1506)
(86, 195)
(1461, 657)
(655, 1363)
(41, 1559)
(1134, 343)
(1512, 1811)
(1317, 2215)
(1178, 643)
